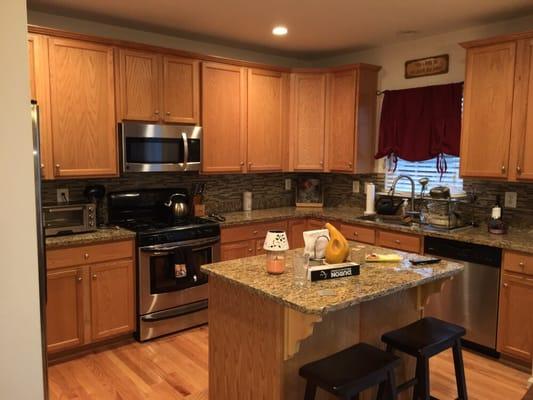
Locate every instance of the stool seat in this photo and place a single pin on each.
(351, 370)
(427, 337)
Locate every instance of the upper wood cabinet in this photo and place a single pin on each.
(268, 110)
(31, 59)
(158, 88)
(82, 108)
(488, 106)
(139, 85)
(308, 121)
(351, 116)
(181, 90)
(224, 118)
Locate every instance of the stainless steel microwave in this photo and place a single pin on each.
(62, 219)
(160, 148)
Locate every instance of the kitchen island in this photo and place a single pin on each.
(262, 327)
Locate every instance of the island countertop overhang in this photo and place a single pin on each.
(376, 280)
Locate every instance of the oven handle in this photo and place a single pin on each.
(185, 149)
(190, 243)
(54, 210)
(175, 312)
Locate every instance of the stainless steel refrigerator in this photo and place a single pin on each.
(40, 237)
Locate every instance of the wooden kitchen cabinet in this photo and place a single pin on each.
(112, 308)
(91, 295)
(224, 108)
(234, 250)
(359, 233)
(268, 110)
(139, 85)
(296, 229)
(82, 108)
(181, 90)
(64, 309)
(308, 121)
(515, 325)
(399, 241)
(351, 116)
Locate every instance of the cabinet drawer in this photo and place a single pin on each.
(358, 233)
(89, 254)
(518, 262)
(399, 241)
(251, 231)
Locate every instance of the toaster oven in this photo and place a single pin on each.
(63, 219)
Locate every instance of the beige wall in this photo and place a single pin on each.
(20, 338)
(136, 35)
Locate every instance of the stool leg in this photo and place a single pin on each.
(421, 390)
(392, 385)
(310, 391)
(459, 371)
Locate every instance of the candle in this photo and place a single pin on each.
(275, 264)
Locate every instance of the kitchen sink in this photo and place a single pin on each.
(387, 219)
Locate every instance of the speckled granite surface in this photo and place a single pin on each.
(519, 239)
(376, 280)
(101, 235)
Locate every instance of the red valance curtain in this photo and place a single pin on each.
(421, 123)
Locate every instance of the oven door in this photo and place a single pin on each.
(170, 276)
(160, 148)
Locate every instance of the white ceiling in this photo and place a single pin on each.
(316, 27)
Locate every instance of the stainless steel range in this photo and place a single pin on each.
(171, 291)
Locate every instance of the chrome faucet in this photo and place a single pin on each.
(393, 189)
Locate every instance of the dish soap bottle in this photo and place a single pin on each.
(496, 224)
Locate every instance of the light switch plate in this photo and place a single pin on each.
(510, 199)
(356, 186)
(288, 184)
(62, 195)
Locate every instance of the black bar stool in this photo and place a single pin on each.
(347, 373)
(423, 339)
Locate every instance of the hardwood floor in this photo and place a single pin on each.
(175, 367)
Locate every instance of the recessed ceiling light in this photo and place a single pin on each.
(407, 32)
(280, 30)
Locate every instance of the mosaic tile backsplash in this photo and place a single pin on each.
(224, 192)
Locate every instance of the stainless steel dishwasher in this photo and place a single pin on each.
(471, 298)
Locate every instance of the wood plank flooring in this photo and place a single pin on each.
(175, 367)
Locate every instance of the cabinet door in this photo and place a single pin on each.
(515, 329)
(296, 231)
(64, 309)
(139, 85)
(522, 126)
(112, 304)
(341, 120)
(488, 106)
(223, 118)
(268, 94)
(232, 251)
(308, 98)
(82, 98)
(181, 90)
(40, 91)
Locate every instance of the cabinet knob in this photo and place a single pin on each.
(356, 234)
(58, 167)
(321, 162)
(254, 232)
(505, 285)
(504, 168)
(249, 164)
(397, 241)
(518, 169)
(156, 112)
(250, 250)
(79, 278)
(242, 163)
(94, 277)
(350, 164)
(86, 256)
(42, 166)
(521, 264)
(167, 113)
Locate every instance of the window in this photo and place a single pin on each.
(428, 169)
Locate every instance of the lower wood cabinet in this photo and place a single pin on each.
(240, 249)
(296, 232)
(89, 302)
(399, 241)
(359, 233)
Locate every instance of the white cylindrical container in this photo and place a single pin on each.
(247, 201)
(370, 199)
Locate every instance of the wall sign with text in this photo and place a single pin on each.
(427, 66)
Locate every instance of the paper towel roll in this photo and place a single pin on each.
(247, 201)
(370, 199)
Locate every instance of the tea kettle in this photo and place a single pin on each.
(177, 203)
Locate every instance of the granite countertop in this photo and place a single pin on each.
(376, 280)
(516, 239)
(100, 235)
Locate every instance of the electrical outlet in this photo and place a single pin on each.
(62, 195)
(356, 186)
(510, 199)
(288, 184)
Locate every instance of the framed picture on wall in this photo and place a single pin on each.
(309, 192)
